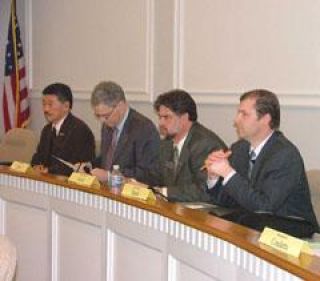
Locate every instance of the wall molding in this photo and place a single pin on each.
(306, 100)
(150, 26)
(85, 95)
(178, 44)
(145, 94)
(287, 99)
(303, 100)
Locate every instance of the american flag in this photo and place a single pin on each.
(15, 103)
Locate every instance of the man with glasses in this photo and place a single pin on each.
(128, 138)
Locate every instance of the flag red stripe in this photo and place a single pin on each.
(6, 117)
(14, 114)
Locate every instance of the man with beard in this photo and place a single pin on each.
(263, 174)
(65, 136)
(184, 148)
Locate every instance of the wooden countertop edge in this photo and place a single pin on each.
(306, 267)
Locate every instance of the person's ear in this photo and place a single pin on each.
(66, 105)
(266, 119)
(185, 116)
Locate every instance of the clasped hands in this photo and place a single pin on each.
(217, 164)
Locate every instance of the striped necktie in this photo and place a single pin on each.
(252, 161)
(111, 149)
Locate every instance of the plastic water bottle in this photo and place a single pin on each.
(116, 179)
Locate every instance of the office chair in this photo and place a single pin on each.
(18, 145)
(314, 184)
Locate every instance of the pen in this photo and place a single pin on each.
(78, 168)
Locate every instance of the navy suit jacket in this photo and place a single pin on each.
(75, 143)
(137, 150)
(278, 182)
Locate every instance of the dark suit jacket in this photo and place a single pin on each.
(75, 143)
(278, 181)
(189, 182)
(137, 150)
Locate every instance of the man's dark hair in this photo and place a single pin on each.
(60, 90)
(179, 102)
(266, 103)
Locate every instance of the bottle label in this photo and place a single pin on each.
(116, 181)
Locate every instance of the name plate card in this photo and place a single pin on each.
(284, 243)
(21, 167)
(139, 192)
(84, 179)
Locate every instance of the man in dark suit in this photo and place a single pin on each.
(65, 136)
(185, 147)
(128, 138)
(263, 175)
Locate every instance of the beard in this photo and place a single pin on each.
(165, 135)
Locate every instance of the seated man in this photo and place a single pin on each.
(263, 174)
(185, 147)
(65, 137)
(128, 138)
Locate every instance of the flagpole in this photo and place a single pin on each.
(17, 90)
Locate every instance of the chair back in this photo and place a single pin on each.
(314, 184)
(18, 145)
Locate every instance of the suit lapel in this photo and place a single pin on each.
(106, 138)
(184, 154)
(65, 130)
(263, 156)
(183, 159)
(66, 126)
(123, 138)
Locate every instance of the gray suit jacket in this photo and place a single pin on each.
(137, 150)
(278, 181)
(189, 182)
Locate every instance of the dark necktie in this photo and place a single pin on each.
(175, 157)
(252, 161)
(53, 135)
(54, 132)
(111, 149)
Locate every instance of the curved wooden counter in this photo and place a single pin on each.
(68, 232)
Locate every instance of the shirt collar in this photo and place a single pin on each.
(121, 124)
(258, 149)
(180, 144)
(58, 125)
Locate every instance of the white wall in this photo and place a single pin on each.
(214, 49)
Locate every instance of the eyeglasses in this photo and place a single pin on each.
(106, 116)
